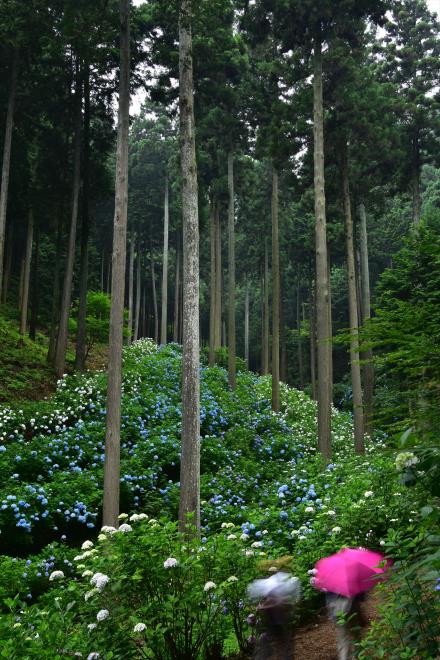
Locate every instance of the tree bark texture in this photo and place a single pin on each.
(35, 292)
(164, 315)
(7, 270)
(27, 273)
(358, 413)
(189, 504)
(176, 334)
(275, 296)
(368, 368)
(246, 326)
(130, 288)
(231, 275)
(298, 330)
(137, 309)
(60, 353)
(212, 283)
(266, 311)
(80, 356)
(313, 348)
(155, 309)
(6, 164)
(113, 420)
(218, 281)
(322, 283)
(55, 295)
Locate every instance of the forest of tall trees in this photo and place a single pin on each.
(256, 181)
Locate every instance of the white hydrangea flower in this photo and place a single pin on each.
(87, 545)
(406, 459)
(257, 544)
(232, 578)
(138, 516)
(244, 537)
(87, 573)
(102, 537)
(139, 627)
(330, 513)
(108, 529)
(102, 615)
(171, 562)
(309, 509)
(56, 575)
(368, 493)
(249, 553)
(209, 585)
(122, 516)
(231, 537)
(93, 656)
(90, 593)
(336, 530)
(99, 580)
(92, 626)
(124, 528)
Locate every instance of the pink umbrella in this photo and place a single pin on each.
(349, 572)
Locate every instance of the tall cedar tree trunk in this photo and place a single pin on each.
(155, 310)
(218, 281)
(266, 311)
(212, 283)
(313, 348)
(358, 413)
(130, 289)
(190, 456)
(322, 283)
(35, 295)
(366, 314)
(8, 263)
(176, 333)
(231, 275)
(164, 316)
(275, 296)
(113, 420)
(137, 309)
(330, 331)
(55, 294)
(298, 329)
(27, 273)
(262, 356)
(109, 274)
(80, 355)
(6, 165)
(102, 273)
(416, 194)
(246, 326)
(60, 352)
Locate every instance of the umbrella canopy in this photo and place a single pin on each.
(349, 572)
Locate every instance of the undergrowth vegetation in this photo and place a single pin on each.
(265, 493)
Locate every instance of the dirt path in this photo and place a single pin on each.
(317, 641)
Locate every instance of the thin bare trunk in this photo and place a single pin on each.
(109, 275)
(164, 316)
(113, 421)
(189, 504)
(6, 165)
(60, 353)
(212, 283)
(156, 317)
(55, 295)
(283, 347)
(35, 295)
(330, 331)
(81, 351)
(366, 314)
(138, 295)
(176, 333)
(313, 348)
(298, 330)
(322, 283)
(20, 283)
(246, 326)
(218, 281)
(130, 289)
(275, 296)
(27, 273)
(231, 275)
(8, 263)
(102, 272)
(358, 414)
(266, 311)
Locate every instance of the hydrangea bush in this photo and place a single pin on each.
(265, 493)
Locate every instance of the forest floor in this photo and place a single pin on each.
(24, 372)
(317, 640)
